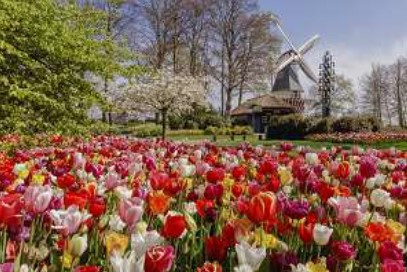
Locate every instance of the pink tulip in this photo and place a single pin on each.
(37, 198)
(348, 210)
(112, 180)
(131, 211)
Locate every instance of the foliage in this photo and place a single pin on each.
(46, 48)
(235, 130)
(185, 132)
(199, 117)
(296, 126)
(146, 130)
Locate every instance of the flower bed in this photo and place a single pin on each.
(113, 204)
(360, 137)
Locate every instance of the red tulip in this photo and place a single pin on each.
(268, 167)
(10, 207)
(97, 206)
(305, 232)
(87, 269)
(215, 175)
(389, 251)
(262, 208)
(159, 259)
(158, 180)
(66, 181)
(393, 266)
(215, 248)
(79, 199)
(239, 173)
(174, 226)
(210, 267)
(368, 167)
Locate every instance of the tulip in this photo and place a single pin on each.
(389, 251)
(262, 208)
(87, 269)
(322, 234)
(368, 167)
(128, 263)
(210, 267)
(141, 242)
(347, 209)
(97, 207)
(78, 245)
(343, 251)
(174, 225)
(215, 175)
(68, 221)
(392, 266)
(296, 209)
(378, 197)
(250, 256)
(116, 242)
(131, 211)
(6, 267)
(158, 202)
(215, 248)
(10, 208)
(159, 259)
(311, 158)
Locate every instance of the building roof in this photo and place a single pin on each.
(287, 79)
(266, 101)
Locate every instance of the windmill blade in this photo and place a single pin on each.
(307, 70)
(308, 45)
(285, 63)
(286, 37)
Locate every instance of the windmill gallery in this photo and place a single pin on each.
(286, 96)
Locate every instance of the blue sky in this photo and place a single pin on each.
(357, 32)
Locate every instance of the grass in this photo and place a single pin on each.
(226, 141)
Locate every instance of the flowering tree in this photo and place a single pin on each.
(165, 93)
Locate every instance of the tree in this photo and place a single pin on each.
(343, 97)
(374, 86)
(46, 48)
(241, 47)
(165, 93)
(399, 85)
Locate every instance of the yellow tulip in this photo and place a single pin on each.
(116, 241)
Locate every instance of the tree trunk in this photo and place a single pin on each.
(228, 106)
(222, 87)
(398, 92)
(164, 123)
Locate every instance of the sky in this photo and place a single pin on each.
(356, 32)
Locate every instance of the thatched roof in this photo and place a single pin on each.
(266, 101)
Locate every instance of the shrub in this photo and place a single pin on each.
(355, 124)
(296, 126)
(147, 130)
(188, 132)
(293, 126)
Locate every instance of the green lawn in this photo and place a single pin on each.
(226, 141)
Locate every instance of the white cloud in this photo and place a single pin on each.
(354, 62)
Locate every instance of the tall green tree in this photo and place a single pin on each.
(47, 48)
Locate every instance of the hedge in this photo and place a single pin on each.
(297, 127)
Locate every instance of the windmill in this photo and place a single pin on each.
(287, 84)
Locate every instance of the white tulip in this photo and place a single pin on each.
(127, 264)
(248, 255)
(322, 234)
(311, 158)
(378, 197)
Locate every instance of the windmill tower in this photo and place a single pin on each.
(287, 84)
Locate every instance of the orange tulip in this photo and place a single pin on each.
(378, 232)
(158, 202)
(262, 208)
